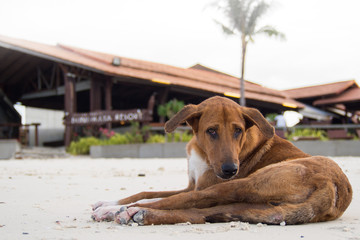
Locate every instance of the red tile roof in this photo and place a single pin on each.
(148, 71)
(321, 90)
(351, 95)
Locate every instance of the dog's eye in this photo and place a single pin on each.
(212, 132)
(237, 132)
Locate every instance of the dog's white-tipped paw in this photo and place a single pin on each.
(105, 213)
(97, 205)
(129, 215)
(139, 217)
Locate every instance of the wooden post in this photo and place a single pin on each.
(151, 103)
(36, 133)
(97, 98)
(163, 97)
(70, 103)
(95, 95)
(108, 98)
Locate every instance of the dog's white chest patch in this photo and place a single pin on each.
(197, 165)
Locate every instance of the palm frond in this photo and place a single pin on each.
(271, 31)
(226, 30)
(255, 14)
(236, 13)
(213, 4)
(243, 17)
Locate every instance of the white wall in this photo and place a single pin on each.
(51, 123)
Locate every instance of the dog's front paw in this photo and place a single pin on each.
(129, 215)
(105, 213)
(103, 204)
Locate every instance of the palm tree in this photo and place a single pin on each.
(242, 17)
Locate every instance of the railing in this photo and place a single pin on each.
(328, 126)
(23, 130)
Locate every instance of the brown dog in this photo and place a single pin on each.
(239, 171)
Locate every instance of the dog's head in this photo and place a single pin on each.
(222, 129)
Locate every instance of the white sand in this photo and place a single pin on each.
(50, 199)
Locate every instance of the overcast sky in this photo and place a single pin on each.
(322, 36)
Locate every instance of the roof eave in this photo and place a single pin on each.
(47, 57)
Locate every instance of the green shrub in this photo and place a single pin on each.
(186, 137)
(179, 137)
(308, 132)
(118, 139)
(135, 135)
(134, 138)
(170, 108)
(271, 117)
(138, 134)
(83, 145)
(171, 137)
(157, 138)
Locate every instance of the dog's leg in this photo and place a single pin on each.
(105, 210)
(137, 197)
(245, 212)
(284, 182)
(142, 195)
(253, 213)
(107, 213)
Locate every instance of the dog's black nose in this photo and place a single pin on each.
(229, 170)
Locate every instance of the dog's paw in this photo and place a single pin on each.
(130, 215)
(103, 204)
(105, 213)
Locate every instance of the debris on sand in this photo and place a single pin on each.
(240, 225)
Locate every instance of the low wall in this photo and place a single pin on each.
(330, 148)
(8, 148)
(177, 150)
(150, 150)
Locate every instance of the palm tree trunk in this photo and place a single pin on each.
(242, 85)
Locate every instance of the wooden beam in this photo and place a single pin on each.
(108, 98)
(163, 98)
(79, 86)
(70, 103)
(11, 59)
(25, 71)
(95, 95)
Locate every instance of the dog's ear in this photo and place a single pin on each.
(189, 114)
(254, 117)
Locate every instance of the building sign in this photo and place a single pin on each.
(103, 117)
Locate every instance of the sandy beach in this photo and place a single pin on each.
(51, 199)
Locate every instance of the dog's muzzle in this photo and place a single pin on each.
(228, 170)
